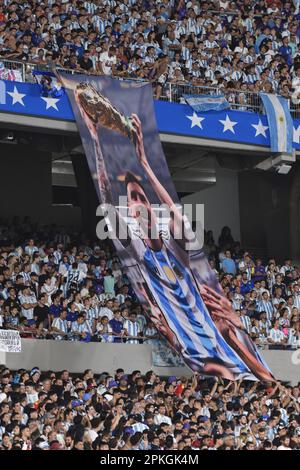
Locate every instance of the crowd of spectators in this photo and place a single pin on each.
(64, 411)
(55, 287)
(67, 289)
(241, 45)
(266, 296)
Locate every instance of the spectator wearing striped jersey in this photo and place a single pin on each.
(28, 302)
(296, 295)
(60, 326)
(91, 314)
(30, 249)
(265, 305)
(104, 330)
(245, 319)
(80, 329)
(132, 328)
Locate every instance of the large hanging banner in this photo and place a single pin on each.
(156, 245)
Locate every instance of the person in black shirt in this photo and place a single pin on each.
(85, 62)
(11, 300)
(34, 285)
(279, 284)
(41, 313)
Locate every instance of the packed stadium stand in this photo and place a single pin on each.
(118, 411)
(56, 286)
(240, 47)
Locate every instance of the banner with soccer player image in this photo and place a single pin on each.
(156, 245)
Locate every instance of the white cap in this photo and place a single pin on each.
(101, 390)
(44, 445)
(108, 397)
(3, 397)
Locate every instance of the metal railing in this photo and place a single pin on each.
(49, 333)
(34, 333)
(239, 100)
(173, 92)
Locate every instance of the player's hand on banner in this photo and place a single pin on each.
(139, 146)
(220, 306)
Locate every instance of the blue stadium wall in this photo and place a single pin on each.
(236, 127)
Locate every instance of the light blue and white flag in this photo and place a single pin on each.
(280, 122)
(49, 84)
(200, 103)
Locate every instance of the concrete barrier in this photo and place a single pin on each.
(100, 357)
(76, 357)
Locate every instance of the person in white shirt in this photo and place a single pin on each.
(30, 249)
(287, 267)
(35, 266)
(78, 302)
(107, 310)
(296, 80)
(284, 443)
(276, 336)
(108, 60)
(296, 295)
(64, 266)
(104, 330)
(224, 4)
(28, 302)
(161, 416)
(82, 266)
(96, 424)
(49, 288)
(294, 335)
(31, 394)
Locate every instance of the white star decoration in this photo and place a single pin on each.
(16, 96)
(228, 125)
(260, 129)
(196, 120)
(296, 135)
(50, 102)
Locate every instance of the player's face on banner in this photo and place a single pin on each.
(140, 209)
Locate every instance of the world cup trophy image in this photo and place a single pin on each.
(101, 112)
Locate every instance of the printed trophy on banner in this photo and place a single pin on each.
(102, 112)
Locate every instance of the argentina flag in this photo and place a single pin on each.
(280, 122)
(201, 103)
